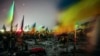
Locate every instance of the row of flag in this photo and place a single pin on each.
(22, 28)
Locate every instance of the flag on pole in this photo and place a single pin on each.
(47, 29)
(42, 28)
(16, 27)
(33, 28)
(26, 27)
(11, 16)
(4, 27)
(22, 24)
(34, 25)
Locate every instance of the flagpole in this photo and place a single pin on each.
(11, 21)
(75, 37)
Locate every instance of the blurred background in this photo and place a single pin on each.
(77, 17)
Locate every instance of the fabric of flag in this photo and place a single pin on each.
(4, 27)
(10, 16)
(16, 27)
(43, 26)
(33, 28)
(72, 11)
(34, 25)
(26, 27)
(42, 29)
(47, 29)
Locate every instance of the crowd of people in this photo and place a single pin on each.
(13, 42)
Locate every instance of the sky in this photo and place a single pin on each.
(49, 12)
(43, 12)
